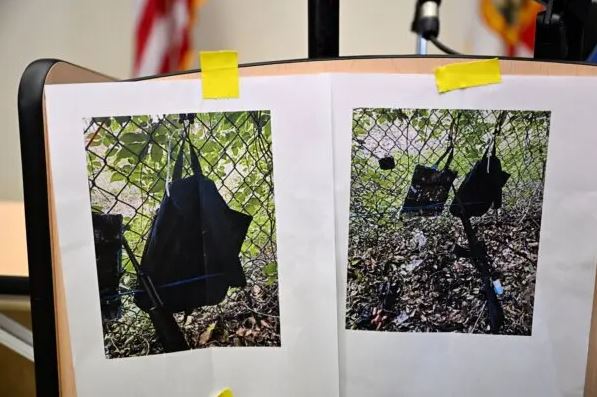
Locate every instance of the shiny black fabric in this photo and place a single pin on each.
(429, 188)
(481, 188)
(192, 252)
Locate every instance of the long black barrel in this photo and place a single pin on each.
(166, 328)
(478, 255)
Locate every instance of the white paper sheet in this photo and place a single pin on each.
(306, 363)
(550, 362)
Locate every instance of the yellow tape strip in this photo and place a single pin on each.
(225, 393)
(467, 74)
(219, 74)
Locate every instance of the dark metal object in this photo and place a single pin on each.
(477, 253)
(166, 328)
(324, 28)
(567, 30)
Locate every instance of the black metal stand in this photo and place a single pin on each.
(566, 30)
(324, 28)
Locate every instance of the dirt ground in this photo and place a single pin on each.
(410, 280)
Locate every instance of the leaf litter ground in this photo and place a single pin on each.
(410, 280)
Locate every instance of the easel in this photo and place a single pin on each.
(54, 367)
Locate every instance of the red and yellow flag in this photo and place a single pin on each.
(514, 22)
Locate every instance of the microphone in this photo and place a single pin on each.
(426, 25)
(426, 20)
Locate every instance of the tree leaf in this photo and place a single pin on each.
(156, 153)
(159, 186)
(117, 177)
(133, 137)
(270, 269)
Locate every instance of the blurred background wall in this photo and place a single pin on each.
(99, 35)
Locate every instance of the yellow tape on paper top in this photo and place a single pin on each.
(467, 74)
(219, 74)
(227, 392)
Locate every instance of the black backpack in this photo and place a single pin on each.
(429, 187)
(481, 188)
(192, 251)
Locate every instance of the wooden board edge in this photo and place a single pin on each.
(401, 65)
(62, 72)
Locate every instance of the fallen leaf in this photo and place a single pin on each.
(265, 324)
(206, 335)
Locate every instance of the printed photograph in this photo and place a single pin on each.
(445, 219)
(184, 229)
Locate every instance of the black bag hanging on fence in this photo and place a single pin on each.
(429, 187)
(482, 186)
(387, 163)
(107, 233)
(192, 251)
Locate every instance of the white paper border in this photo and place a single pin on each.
(552, 361)
(306, 363)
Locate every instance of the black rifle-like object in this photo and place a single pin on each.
(166, 328)
(477, 253)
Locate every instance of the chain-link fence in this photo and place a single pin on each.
(379, 234)
(130, 162)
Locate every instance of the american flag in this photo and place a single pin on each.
(163, 31)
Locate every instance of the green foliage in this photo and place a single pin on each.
(130, 158)
(270, 270)
(421, 136)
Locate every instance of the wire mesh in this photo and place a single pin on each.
(130, 162)
(387, 145)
